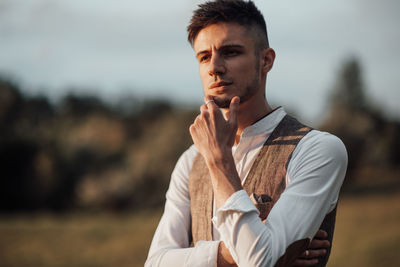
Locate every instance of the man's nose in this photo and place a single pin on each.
(217, 66)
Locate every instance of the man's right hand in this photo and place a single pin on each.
(224, 257)
(317, 248)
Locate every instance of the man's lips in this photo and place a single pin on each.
(219, 84)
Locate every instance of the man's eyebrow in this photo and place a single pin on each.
(231, 46)
(201, 52)
(227, 46)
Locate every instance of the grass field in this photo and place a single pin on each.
(367, 234)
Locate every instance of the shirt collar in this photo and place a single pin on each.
(266, 125)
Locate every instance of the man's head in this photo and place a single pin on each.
(231, 46)
(244, 13)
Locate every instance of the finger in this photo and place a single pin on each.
(321, 234)
(209, 101)
(313, 253)
(211, 106)
(315, 243)
(304, 262)
(194, 127)
(233, 110)
(203, 110)
(192, 130)
(204, 114)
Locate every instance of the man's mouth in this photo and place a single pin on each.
(219, 84)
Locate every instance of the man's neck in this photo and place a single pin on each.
(251, 112)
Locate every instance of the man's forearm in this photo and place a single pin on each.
(204, 254)
(224, 177)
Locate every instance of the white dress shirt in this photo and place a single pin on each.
(314, 176)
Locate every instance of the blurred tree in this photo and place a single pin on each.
(366, 132)
(349, 91)
(81, 153)
(21, 138)
(347, 118)
(10, 101)
(78, 106)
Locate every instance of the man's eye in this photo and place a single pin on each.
(231, 52)
(204, 58)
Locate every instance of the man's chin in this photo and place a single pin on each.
(222, 102)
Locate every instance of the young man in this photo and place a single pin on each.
(256, 185)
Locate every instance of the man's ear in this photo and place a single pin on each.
(268, 58)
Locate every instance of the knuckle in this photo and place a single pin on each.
(316, 253)
(191, 129)
(318, 243)
(320, 253)
(300, 263)
(196, 122)
(212, 113)
(212, 108)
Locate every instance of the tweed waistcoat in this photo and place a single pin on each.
(264, 184)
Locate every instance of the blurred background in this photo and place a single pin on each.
(96, 98)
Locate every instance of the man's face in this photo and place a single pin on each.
(228, 63)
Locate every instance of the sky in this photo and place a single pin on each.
(127, 47)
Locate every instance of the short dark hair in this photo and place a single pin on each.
(244, 13)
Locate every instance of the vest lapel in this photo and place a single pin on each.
(267, 176)
(201, 200)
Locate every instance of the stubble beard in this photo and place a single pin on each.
(251, 90)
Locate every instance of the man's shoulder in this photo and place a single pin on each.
(185, 161)
(318, 139)
(321, 146)
(320, 159)
(178, 189)
(189, 154)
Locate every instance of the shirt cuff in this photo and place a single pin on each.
(237, 202)
(209, 257)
